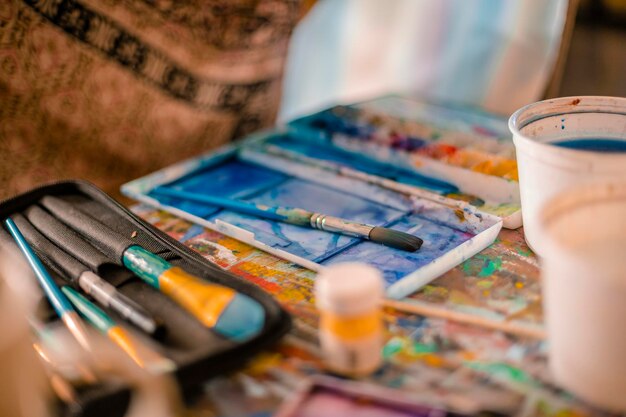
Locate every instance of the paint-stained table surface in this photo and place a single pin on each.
(438, 361)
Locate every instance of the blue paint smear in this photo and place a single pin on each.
(229, 179)
(362, 163)
(192, 232)
(265, 186)
(343, 120)
(394, 263)
(604, 145)
(309, 243)
(196, 209)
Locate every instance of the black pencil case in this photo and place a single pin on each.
(198, 352)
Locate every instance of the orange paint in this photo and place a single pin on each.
(438, 151)
(268, 286)
(506, 168)
(446, 150)
(484, 167)
(433, 360)
(204, 300)
(352, 328)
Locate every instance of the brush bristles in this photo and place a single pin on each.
(395, 239)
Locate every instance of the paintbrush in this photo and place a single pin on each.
(228, 312)
(62, 388)
(138, 352)
(388, 237)
(61, 305)
(75, 371)
(427, 309)
(48, 346)
(103, 292)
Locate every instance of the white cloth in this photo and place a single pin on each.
(498, 54)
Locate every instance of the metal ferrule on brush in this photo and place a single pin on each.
(334, 224)
(108, 296)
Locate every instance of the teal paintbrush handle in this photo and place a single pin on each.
(141, 354)
(59, 302)
(282, 214)
(98, 318)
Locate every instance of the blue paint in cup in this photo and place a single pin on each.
(605, 145)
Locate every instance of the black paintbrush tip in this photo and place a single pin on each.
(395, 239)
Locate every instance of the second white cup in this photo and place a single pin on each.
(584, 285)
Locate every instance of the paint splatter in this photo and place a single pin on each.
(504, 370)
(475, 149)
(432, 359)
(482, 266)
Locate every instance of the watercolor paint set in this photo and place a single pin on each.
(469, 150)
(104, 270)
(298, 191)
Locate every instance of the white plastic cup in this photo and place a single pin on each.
(584, 291)
(546, 169)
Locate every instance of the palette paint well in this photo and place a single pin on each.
(310, 244)
(396, 264)
(363, 163)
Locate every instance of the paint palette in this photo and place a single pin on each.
(464, 147)
(254, 171)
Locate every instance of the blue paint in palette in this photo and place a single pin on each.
(313, 197)
(229, 179)
(396, 264)
(307, 243)
(362, 163)
(256, 184)
(199, 210)
(603, 145)
(192, 232)
(341, 119)
(345, 120)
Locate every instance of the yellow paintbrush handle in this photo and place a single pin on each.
(205, 301)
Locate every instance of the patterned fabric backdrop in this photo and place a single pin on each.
(110, 90)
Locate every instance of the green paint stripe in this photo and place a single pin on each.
(502, 369)
(393, 346)
(424, 348)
